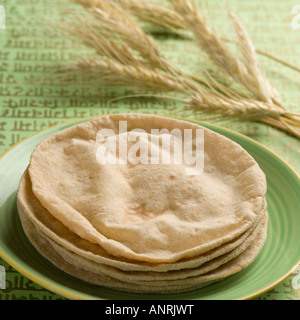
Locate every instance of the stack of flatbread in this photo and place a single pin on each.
(137, 226)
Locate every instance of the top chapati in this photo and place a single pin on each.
(153, 212)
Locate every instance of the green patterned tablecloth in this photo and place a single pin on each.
(29, 47)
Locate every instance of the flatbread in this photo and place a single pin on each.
(144, 227)
(53, 229)
(147, 213)
(233, 266)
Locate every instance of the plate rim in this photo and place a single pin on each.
(74, 295)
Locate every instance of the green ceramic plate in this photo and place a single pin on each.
(278, 259)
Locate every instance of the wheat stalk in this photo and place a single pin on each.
(132, 47)
(256, 81)
(113, 21)
(148, 12)
(246, 72)
(110, 72)
(169, 19)
(127, 56)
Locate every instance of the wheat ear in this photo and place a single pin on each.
(154, 72)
